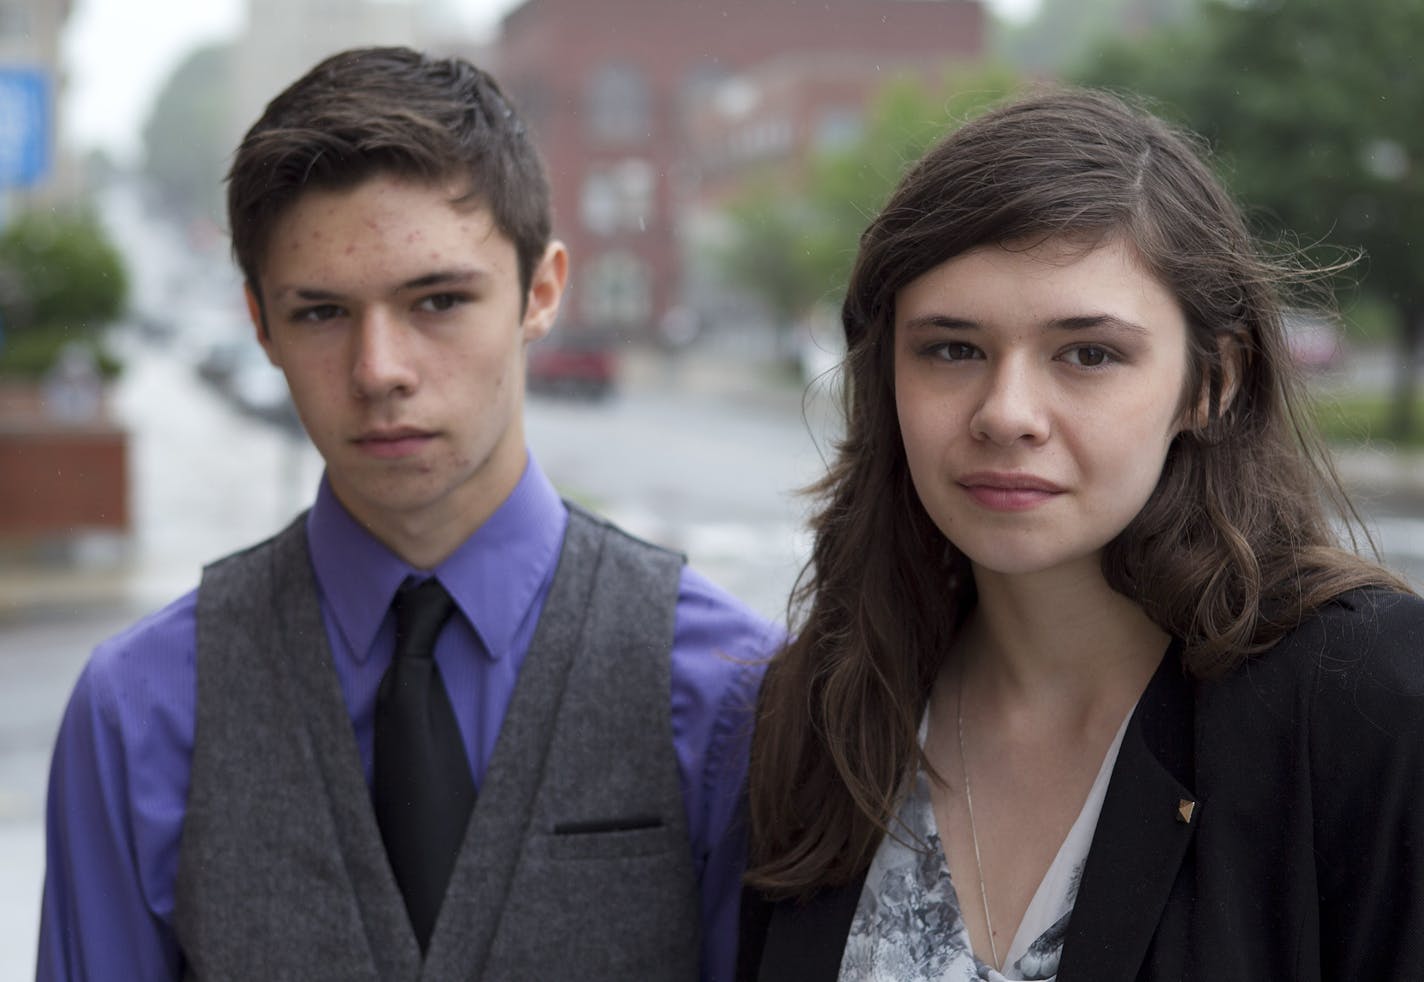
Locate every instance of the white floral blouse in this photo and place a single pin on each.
(908, 926)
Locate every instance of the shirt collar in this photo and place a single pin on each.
(494, 577)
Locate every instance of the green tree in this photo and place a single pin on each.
(794, 234)
(1314, 107)
(1063, 34)
(61, 280)
(185, 136)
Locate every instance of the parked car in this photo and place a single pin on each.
(220, 360)
(573, 364)
(239, 369)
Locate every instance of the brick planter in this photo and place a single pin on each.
(58, 478)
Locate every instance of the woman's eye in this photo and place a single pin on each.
(955, 351)
(1089, 356)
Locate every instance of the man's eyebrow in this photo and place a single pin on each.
(443, 277)
(304, 293)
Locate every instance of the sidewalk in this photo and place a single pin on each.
(1383, 477)
(57, 587)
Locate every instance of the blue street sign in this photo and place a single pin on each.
(25, 126)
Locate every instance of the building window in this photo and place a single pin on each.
(702, 82)
(838, 129)
(762, 139)
(618, 197)
(619, 106)
(617, 292)
(531, 100)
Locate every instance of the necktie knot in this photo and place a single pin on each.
(421, 611)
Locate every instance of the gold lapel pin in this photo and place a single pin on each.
(1185, 809)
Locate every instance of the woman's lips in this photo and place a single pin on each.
(1009, 492)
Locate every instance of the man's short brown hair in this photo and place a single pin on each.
(396, 112)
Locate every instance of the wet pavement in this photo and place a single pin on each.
(692, 457)
(703, 456)
(40, 657)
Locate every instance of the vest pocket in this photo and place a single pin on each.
(605, 843)
(601, 907)
(630, 823)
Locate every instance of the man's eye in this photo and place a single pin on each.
(441, 302)
(320, 312)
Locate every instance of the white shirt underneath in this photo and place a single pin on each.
(908, 925)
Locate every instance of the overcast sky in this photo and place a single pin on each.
(118, 52)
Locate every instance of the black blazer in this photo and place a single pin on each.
(1303, 858)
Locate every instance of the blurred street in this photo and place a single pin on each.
(702, 453)
(703, 456)
(711, 183)
(698, 458)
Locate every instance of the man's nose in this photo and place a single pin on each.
(382, 362)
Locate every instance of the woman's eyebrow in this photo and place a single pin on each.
(929, 322)
(1077, 322)
(1085, 322)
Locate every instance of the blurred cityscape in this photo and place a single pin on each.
(712, 164)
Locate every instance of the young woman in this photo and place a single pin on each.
(1084, 687)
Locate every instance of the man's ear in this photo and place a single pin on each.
(258, 315)
(1220, 386)
(546, 288)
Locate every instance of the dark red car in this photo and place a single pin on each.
(573, 365)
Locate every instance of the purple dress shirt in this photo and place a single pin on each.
(119, 778)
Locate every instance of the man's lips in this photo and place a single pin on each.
(1009, 491)
(393, 442)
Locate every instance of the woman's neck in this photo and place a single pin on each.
(1061, 640)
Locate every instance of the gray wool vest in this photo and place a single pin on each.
(576, 863)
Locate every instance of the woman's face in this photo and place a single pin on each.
(1038, 391)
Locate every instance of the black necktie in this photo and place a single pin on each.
(423, 788)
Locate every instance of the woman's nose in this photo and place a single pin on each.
(1012, 406)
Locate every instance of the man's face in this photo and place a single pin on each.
(396, 318)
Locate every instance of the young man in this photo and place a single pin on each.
(444, 725)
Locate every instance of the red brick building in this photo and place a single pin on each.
(618, 95)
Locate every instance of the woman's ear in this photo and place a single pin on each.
(1219, 385)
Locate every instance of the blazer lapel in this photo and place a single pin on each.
(1149, 816)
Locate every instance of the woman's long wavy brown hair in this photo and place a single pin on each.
(1232, 549)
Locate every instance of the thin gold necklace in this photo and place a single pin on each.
(973, 832)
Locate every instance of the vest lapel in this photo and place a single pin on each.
(484, 869)
(387, 928)
(1147, 822)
